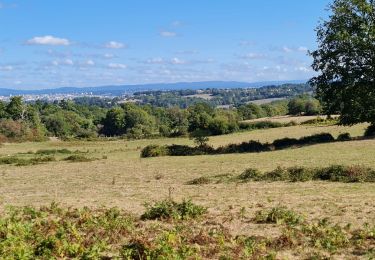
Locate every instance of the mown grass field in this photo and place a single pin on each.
(119, 177)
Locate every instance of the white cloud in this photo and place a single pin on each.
(247, 43)
(156, 60)
(168, 34)
(176, 23)
(66, 62)
(302, 69)
(177, 61)
(48, 40)
(6, 68)
(286, 49)
(302, 49)
(117, 66)
(253, 56)
(108, 56)
(90, 63)
(115, 45)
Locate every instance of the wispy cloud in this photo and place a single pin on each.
(48, 40)
(252, 56)
(115, 45)
(167, 34)
(6, 68)
(117, 66)
(247, 43)
(64, 62)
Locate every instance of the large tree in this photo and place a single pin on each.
(345, 61)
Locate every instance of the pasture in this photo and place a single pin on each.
(117, 177)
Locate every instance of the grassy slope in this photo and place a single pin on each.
(127, 181)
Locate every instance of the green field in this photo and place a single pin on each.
(119, 177)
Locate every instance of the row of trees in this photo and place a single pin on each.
(66, 119)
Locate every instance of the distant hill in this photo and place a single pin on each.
(121, 89)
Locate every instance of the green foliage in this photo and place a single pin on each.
(370, 131)
(304, 105)
(277, 215)
(344, 61)
(335, 173)
(153, 151)
(249, 174)
(169, 209)
(53, 232)
(344, 137)
(53, 151)
(78, 158)
(24, 162)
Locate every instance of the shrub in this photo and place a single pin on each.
(340, 173)
(24, 162)
(300, 174)
(261, 125)
(370, 131)
(181, 150)
(317, 138)
(284, 142)
(277, 215)
(250, 174)
(199, 181)
(344, 137)
(279, 174)
(53, 151)
(153, 151)
(169, 209)
(78, 158)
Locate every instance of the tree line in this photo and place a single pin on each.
(21, 121)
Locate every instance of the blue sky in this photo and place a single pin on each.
(48, 44)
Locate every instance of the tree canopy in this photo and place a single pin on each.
(345, 60)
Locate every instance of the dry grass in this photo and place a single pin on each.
(127, 181)
(286, 119)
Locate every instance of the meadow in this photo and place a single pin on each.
(114, 175)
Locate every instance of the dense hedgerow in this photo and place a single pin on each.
(13, 160)
(244, 147)
(153, 151)
(335, 173)
(53, 151)
(78, 158)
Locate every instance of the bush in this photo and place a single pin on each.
(277, 215)
(244, 147)
(78, 158)
(154, 151)
(335, 173)
(250, 174)
(317, 138)
(53, 151)
(181, 150)
(199, 181)
(297, 174)
(340, 173)
(285, 142)
(370, 131)
(169, 209)
(344, 137)
(24, 162)
(261, 125)
(279, 174)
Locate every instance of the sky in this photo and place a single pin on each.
(79, 43)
